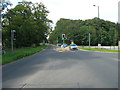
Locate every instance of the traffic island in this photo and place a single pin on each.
(59, 49)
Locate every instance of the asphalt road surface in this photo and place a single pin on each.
(68, 69)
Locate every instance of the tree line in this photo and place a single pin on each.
(101, 31)
(30, 22)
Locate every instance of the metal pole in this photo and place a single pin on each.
(57, 40)
(12, 42)
(89, 40)
(98, 12)
(0, 26)
(98, 18)
(0, 20)
(63, 41)
(1, 46)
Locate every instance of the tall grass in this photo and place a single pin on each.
(20, 53)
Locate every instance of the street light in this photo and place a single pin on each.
(19, 2)
(98, 10)
(98, 18)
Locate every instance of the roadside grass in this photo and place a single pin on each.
(99, 49)
(20, 53)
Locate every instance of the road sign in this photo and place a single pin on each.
(72, 42)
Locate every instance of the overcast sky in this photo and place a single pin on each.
(79, 9)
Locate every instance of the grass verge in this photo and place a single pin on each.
(20, 53)
(99, 49)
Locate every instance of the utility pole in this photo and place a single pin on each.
(89, 40)
(12, 42)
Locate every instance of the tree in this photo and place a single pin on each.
(101, 31)
(30, 22)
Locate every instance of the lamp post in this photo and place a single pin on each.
(98, 18)
(98, 10)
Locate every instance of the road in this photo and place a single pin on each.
(68, 69)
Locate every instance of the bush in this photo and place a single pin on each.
(33, 45)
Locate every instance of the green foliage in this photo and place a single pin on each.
(30, 22)
(101, 31)
(118, 30)
(20, 53)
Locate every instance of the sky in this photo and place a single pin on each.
(79, 9)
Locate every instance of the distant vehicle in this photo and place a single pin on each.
(59, 44)
(73, 46)
(64, 45)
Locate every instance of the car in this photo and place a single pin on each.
(59, 44)
(73, 47)
(64, 45)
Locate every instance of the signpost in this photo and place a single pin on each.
(63, 38)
